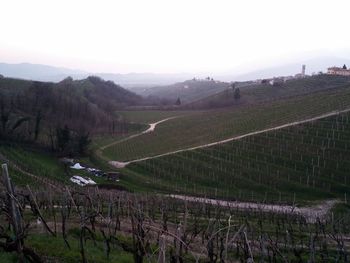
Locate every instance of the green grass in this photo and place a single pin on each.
(54, 250)
(32, 161)
(309, 161)
(210, 126)
(341, 209)
(99, 141)
(148, 116)
(102, 140)
(8, 257)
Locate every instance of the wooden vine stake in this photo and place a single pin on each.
(15, 214)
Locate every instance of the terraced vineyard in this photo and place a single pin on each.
(210, 126)
(301, 163)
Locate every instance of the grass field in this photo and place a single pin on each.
(99, 141)
(210, 126)
(137, 122)
(301, 163)
(146, 117)
(42, 164)
(53, 249)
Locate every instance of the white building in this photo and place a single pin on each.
(338, 71)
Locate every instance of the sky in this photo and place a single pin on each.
(171, 36)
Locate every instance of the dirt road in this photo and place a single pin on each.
(119, 164)
(152, 127)
(310, 213)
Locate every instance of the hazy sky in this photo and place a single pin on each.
(170, 36)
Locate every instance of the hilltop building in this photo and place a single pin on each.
(302, 74)
(276, 81)
(338, 71)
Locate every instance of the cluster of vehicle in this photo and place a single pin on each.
(82, 181)
(96, 172)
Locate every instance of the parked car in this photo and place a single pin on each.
(81, 180)
(77, 181)
(90, 181)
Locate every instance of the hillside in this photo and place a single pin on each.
(255, 93)
(202, 127)
(187, 91)
(285, 184)
(36, 111)
(304, 162)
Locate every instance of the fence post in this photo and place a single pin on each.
(14, 212)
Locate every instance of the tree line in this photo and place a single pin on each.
(61, 116)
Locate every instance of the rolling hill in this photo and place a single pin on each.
(187, 91)
(254, 93)
(33, 111)
(207, 126)
(40, 72)
(288, 186)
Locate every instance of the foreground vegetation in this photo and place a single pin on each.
(90, 225)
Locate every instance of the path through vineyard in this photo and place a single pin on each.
(152, 127)
(119, 164)
(310, 213)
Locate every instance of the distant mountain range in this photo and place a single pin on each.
(56, 74)
(37, 72)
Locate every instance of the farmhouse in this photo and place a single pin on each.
(338, 71)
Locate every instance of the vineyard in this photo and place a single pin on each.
(90, 225)
(277, 195)
(252, 93)
(295, 164)
(209, 126)
(24, 163)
